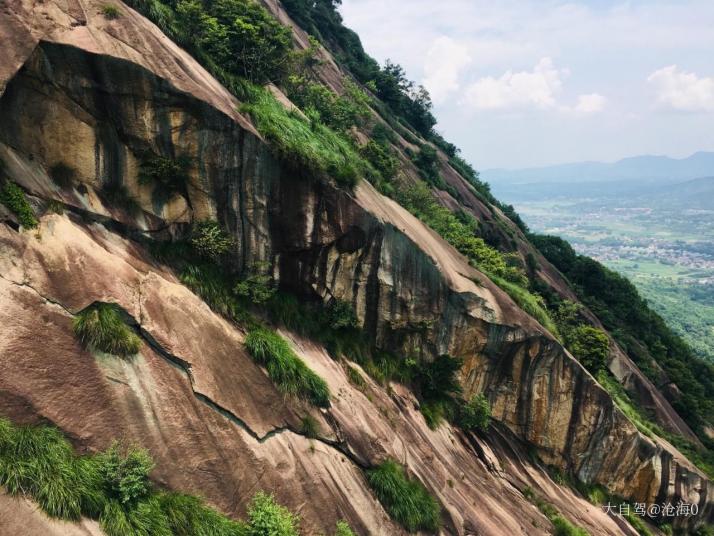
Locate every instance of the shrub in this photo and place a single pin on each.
(289, 373)
(13, 197)
(475, 414)
(339, 112)
(306, 143)
(341, 314)
(62, 175)
(268, 518)
(110, 11)
(343, 529)
(125, 473)
(210, 241)
(256, 288)
(101, 327)
(382, 158)
(168, 176)
(239, 35)
(589, 345)
(406, 500)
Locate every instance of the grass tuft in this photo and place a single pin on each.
(13, 197)
(289, 373)
(110, 11)
(406, 500)
(101, 327)
(306, 142)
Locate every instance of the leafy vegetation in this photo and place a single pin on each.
(167, 175)
(639, 330)
(475, 414)
(343, 529)
(589, 345)
(561, 526)
(210, 241)
(110, 11)
(289, 373)
(339, 112)
(306, 142)
(239, 35)
(13, 197)
(268, 518)
(114, 487)
(101, 327)
(406, 500)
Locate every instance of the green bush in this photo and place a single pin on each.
(13, 197)
(210, 241)
(101, 327)
(239, 35)
(256, 288)
(406, 500)
(268, 518)
(589, 345)
(382, 158)
(168, 176)
(306, 143)
(339, 112)
(343, 529)
(111, 11)
(289, 373)
(475, 414)
(125, 473)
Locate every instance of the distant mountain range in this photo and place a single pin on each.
(694, 194)
(637, 168)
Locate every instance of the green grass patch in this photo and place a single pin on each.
(306, 142)
(114, 488)
(13, 197)
(561, 526)
(110, 11)
(407, 500)
(529, 302)
(101, 327)
(289, 373)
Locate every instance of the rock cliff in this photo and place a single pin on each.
(93, 94)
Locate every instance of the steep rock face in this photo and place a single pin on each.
(93, 105)
(212, 419)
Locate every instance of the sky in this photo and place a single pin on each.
(521, 83)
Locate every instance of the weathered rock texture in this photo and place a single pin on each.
(96, 95)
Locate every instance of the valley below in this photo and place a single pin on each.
(660, 235)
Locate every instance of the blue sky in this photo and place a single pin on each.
(520, 83)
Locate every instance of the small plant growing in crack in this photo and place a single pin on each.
(309, 427)
(101, 327)
(110, 11)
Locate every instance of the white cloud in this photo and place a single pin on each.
(445, 61)
(683, 91)
(590, 104)
(537, 88)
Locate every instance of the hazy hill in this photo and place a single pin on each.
(650, 168)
